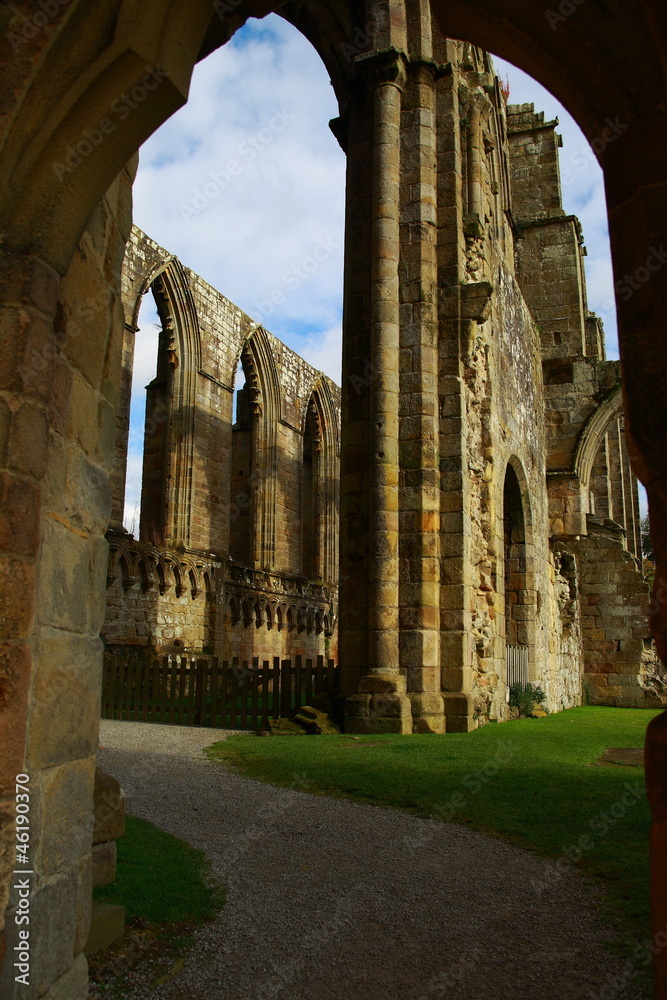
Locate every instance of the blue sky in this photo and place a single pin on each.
(247, 179)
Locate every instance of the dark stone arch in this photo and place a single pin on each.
(89, 60)
(319, 508)
(171, 397)
(518, 571)
(255, 454)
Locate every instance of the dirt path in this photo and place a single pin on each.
(332, 900)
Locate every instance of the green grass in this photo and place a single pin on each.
(160, 878)
(528, 781)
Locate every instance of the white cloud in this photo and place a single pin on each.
(246, 180)
(324, 351)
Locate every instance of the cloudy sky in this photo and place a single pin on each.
(245, 181)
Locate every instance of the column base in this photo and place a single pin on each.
(459, 712)
(428, 712)
(380, 706)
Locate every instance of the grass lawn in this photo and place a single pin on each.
(159, 878)
(530, 781)
(162, 883)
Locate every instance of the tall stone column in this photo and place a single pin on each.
(381, 704)
(474, 164)
(419, 404)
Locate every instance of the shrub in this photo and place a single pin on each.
(525, 697)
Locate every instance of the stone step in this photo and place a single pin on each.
(107, 924)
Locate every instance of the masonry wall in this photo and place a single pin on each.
(521, 382)
(68, 376)
(617, 645)
(593, 495)
(223, 569)
(524, 384)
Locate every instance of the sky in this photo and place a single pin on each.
(246, 180)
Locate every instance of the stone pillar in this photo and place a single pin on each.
(456, 318)
(419, 414)
(319, 518)
(635, 167)
(474, 163)
(632, 525)
(257, 480)
(381, 704)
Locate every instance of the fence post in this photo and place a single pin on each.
(285, 688)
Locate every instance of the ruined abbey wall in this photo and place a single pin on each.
(237, 550)
(65, 222)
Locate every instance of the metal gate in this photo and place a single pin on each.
(517, 666)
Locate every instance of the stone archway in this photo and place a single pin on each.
(85, 92)
(518, 577)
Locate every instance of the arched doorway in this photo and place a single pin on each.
(56, 168)
(519, 591)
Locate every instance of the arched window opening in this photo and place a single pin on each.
(140, 362)
(239, 387)
(243, 462)
(311, 496)
(614, 490)
(516, 625)
(156, 452)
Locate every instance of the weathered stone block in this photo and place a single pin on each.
(67, 690)
(51, 940)
(74, 984)
(63, 795)
(382, 684)
(106, 926)
(109, 808)
(104, 863)
(458, 704)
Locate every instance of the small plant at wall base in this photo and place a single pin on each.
(526, 698)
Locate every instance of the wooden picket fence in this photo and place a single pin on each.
(190, 690)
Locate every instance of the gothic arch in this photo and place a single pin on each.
(66, 80)
(264, 401)
(181, 343)
(591, 437)
(518, 577)
(320, 491)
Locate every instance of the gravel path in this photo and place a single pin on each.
(332, 900)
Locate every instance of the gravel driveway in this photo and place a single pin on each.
(333, 900)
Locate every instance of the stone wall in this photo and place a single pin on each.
(237, 551)
(617, 645)
(67, 379)
(172, 603)
(63, 240)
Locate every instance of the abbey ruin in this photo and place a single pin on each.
(485, 494)
(518, 513)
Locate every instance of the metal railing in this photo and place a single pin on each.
(517, 666)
